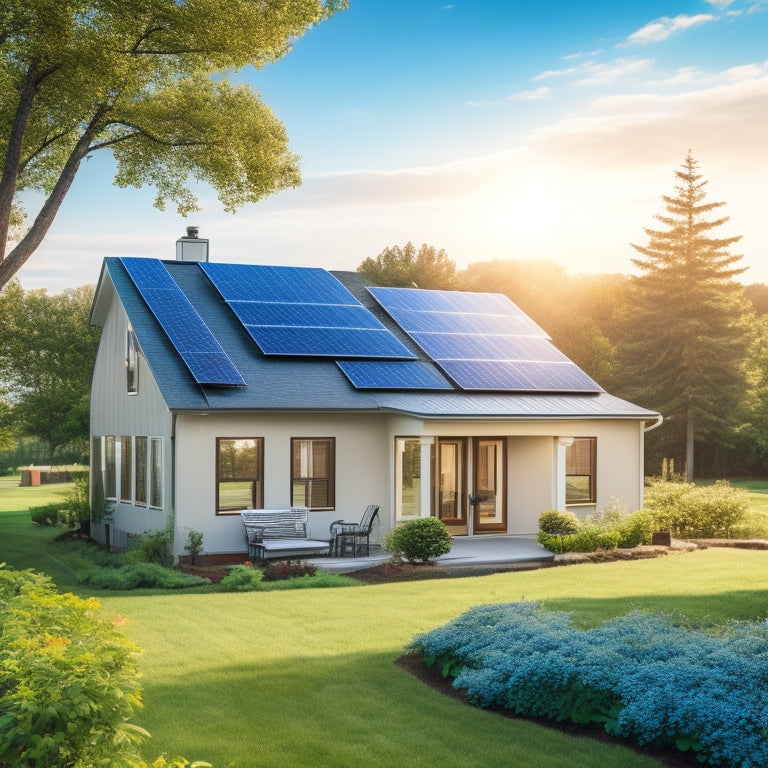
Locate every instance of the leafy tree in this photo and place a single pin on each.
(757, 293)
(687, 318)
(753, 432)
(47, 352)
(142, 79)
(408, 268)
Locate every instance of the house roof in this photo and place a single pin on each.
(295, 382)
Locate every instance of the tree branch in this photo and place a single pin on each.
(44, 219)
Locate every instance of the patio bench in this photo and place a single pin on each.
(280, 533)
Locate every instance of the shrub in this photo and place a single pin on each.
(639, 676)
(242, 578)
(694, 511)
(420, 540)
(754, 525)
(77, 505)
(194, 543)
(151, 547)
(287, 569)
(138, 576)
(558, 523)
(68, 680)
(47, 514)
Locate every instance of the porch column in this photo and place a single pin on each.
(559, 472)
(425, 500)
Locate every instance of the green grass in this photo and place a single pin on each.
(307, 677)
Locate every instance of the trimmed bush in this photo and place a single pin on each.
(558, 523)
(637, 676)
(420, 540)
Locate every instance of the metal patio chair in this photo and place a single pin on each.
(353, 538)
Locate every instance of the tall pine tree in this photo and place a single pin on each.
(688, 319)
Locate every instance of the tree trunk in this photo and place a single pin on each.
(689, 446)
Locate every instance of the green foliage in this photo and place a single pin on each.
(148, 83)
(691, 511)
(138, 576)
(47, 352)
(68, 680)
(754, 525)
(610, 527)
(242, 578)
(408, 268)
(151, 547)
(48, 514)
(558, 523)
(688, 317)
(194, 543)
(420, 540)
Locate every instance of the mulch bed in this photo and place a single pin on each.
(668, 756)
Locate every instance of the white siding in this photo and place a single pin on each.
(115, 412)
(362, 470)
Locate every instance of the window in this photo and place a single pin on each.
(141, 471)
(131, 362)
(239, 474)
(156, 472)
(580, 461)
(126, 469)
(312, 472)
(110, 468)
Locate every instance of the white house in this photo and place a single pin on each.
(220, 387)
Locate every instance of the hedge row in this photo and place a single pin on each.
(639, 676)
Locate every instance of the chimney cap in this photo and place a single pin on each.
(192, 232)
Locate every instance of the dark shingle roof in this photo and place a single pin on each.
(295, 384)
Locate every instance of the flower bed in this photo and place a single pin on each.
(638, 676)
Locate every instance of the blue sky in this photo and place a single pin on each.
(493, 129)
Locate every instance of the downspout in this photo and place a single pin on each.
(657, 423)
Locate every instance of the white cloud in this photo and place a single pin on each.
(719, 4)
(553, 73)
(665, 27)
(598, 74)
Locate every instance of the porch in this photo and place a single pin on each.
(466, 552)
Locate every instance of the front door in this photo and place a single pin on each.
(488, 498)
(451, 497)
(480, 490)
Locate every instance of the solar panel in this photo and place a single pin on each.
(186, 330)
(292, 285)
(393, 374)
(294, 341)
(302, 312)
(483, 341)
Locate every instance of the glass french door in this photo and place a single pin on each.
(473, 483)
(450, 483)
(488, 497)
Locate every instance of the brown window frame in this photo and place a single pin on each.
(256, 496)
(581, 471)
(307, 481)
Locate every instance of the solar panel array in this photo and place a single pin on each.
(186, 330)
(302, 312)
(482, 341)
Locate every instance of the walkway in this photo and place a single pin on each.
(466, 552)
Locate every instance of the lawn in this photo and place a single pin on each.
(307, 678)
